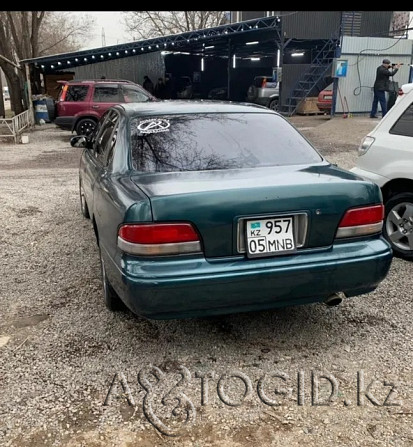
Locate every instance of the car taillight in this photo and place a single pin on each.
(361, 221)
(365, 145)
(158, 239)
(400, 91)
(64, 92)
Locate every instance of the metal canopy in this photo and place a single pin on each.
(255, 38)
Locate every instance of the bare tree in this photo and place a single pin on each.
(29, 34)
(149, 24)
(63, 32)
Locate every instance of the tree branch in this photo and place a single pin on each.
(14, 34)
(70, 33)
(10, 62)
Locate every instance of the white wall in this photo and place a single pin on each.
(364, 55)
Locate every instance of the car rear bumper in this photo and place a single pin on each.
(65, 122)
(182, 288)
(367, 175)
(324, 107)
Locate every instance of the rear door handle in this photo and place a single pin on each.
(95, 107)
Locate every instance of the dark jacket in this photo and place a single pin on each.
(159, 90)
(382, 78)
(148, 84)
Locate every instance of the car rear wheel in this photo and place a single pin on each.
(398, 225)
(83, 204)
(273, 105)
(112, 300)
(85, 126)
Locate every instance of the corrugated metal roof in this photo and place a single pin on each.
(265, 29)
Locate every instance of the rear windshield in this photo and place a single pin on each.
(73, 93)
(200, 142)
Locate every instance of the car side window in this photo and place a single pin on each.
(133, 94)
(404, 125)
(76, 93)
(106, 138)
(107, 93)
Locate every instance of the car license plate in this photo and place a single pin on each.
(267, 237)
(328, 97)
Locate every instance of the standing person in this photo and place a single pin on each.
(147, 84)
(168, 86)
(159, 91)
(381, 85)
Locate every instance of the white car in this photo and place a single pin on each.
(405, 88)
(386, 158)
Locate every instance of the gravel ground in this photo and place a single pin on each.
(69, 367)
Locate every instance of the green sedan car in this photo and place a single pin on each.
(205, 208)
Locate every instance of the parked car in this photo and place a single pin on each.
(325, 100)
(405, 88)
(386, 158)
(80, 104)
(205, 208)
(264, 91)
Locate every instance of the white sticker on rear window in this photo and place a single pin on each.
(154, 125)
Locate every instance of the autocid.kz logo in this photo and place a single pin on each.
(154, 125)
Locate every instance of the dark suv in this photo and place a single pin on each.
(81, 103)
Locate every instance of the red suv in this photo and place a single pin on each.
(325, 100)
(81, 103)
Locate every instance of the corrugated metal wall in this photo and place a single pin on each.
(291, 72)
(132, 68)
(310, 24)
(364, 55)
(249, 15)
(322, 24)
(375, 22)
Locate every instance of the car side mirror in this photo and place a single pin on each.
(79, 141)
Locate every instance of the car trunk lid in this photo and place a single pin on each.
(219, 203)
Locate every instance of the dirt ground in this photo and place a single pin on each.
(74, 374)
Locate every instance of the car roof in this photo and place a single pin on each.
(407, 86)
(393, 114)
(173, 107)
(95, 81)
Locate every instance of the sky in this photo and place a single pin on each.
(111, 23)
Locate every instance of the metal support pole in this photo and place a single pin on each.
(229, 70)
(2, 109)
(334, 103)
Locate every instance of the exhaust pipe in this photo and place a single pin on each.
(333, 300)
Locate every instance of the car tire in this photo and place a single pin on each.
(85, 126)
(398, 224)
(273, 105)
(112, 300)
(83, 204)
